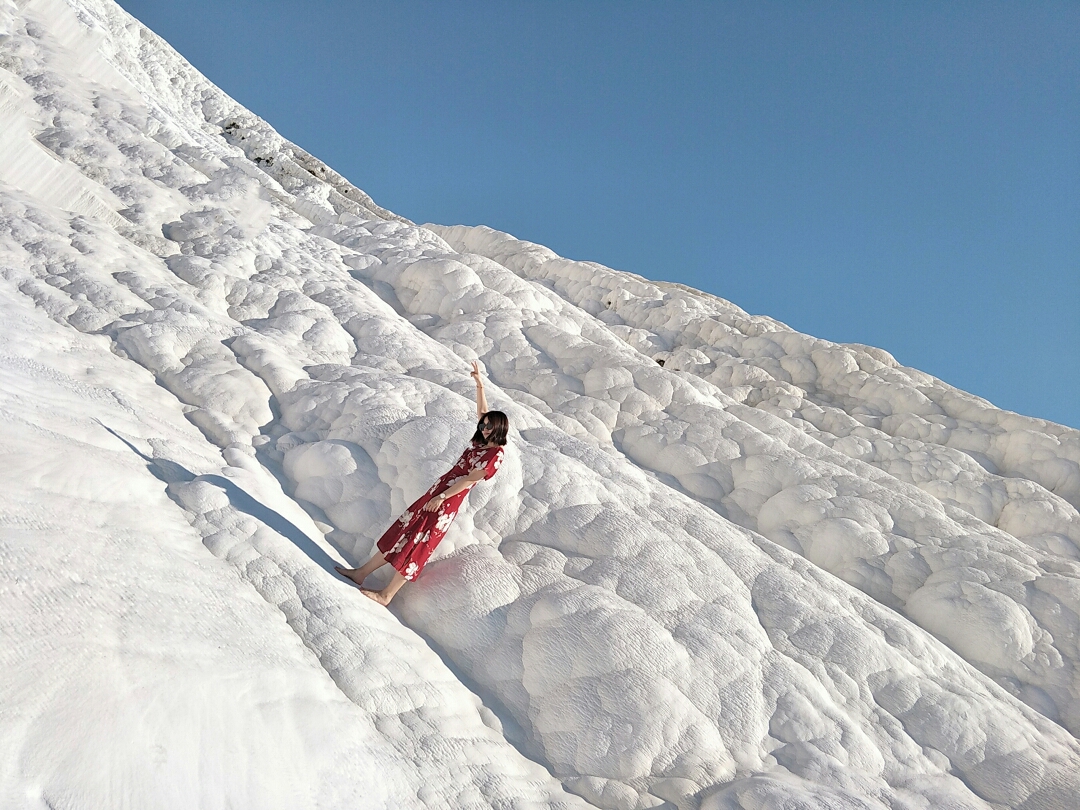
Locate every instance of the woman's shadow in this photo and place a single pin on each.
(172, 473)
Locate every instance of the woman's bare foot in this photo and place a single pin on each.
(350, 573)
(376, 596)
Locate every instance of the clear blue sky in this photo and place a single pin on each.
(902, 174)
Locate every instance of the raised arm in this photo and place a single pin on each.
(481, 400)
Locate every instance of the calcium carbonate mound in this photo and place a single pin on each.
(724, 565)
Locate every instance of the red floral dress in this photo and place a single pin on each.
(408, 543)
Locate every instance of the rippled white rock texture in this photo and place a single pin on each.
(726, 565)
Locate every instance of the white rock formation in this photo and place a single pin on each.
(725, 565)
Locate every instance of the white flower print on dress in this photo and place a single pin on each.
(423, 537)
(443, 523)
(399, 545)
(405, 518)
(410, 571)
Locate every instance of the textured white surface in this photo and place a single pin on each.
(710, 573)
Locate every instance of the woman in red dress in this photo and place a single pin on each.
(408, 543)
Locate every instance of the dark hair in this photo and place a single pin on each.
(498, 435)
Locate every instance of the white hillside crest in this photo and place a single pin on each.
(724, 565)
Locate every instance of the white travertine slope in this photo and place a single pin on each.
(856, 399)
(935, 558)
(616, 620)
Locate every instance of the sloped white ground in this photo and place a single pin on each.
(713, 582)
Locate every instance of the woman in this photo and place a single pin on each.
(408, 543)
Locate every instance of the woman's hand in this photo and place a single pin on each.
(435, 502)
(481, 400)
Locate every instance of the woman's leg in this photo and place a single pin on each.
(358, 575)
(384, 596)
